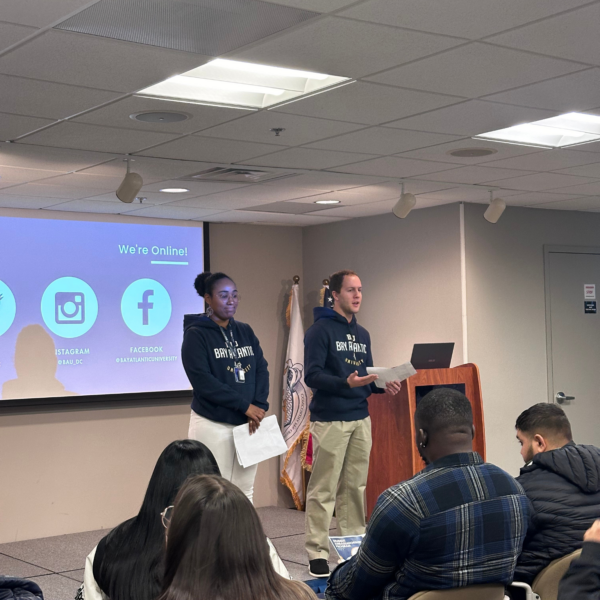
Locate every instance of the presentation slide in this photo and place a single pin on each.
(94, 307)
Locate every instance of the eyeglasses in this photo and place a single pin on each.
(223, 296)
(165, 516)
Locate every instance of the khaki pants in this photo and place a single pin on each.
(341, 452)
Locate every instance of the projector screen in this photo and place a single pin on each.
(95, 307)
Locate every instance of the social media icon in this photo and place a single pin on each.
(146, 307)
(69, 307)
(8, 308)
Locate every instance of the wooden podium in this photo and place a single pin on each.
(394, 456)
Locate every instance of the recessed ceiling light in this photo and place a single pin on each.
(472, 152)
(570, 129)
(174, 190)
(234, 83)
(327, 201)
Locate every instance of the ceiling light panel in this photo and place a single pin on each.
(570, 129)
(234, 83)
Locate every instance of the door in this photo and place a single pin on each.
(574, 337)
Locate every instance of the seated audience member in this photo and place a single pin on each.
(217, 549)
(582, 580)
(562, 481)
(459, 522)
(127, 564)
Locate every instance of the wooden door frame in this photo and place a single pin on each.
(548, 250)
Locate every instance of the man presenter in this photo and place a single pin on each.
(337, 352)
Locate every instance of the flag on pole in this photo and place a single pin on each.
(296, 398)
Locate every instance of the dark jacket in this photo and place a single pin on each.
(333, 349)
(15, 588)
(582, 580)
(564, 487)
(209, 365)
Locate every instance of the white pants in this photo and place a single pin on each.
(218, 437)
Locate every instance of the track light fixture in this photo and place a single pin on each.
(405, 204)
(494, 211)
(130, 186)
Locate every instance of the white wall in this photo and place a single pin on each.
(506, 311)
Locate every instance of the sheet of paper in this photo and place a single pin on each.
(399, 373)
(346, 546)
(266, 442)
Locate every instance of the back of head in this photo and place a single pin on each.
(548, 420)
(132, 566)
(444, 409)
(216, 546)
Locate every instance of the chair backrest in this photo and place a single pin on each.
(492, 591)
(546, 583)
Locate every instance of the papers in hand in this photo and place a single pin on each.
(266, 442)
(394, 374)
(346, 545)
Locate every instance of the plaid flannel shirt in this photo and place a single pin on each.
(458, 522)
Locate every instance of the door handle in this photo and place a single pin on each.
(562, 398)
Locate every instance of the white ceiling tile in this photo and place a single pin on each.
(44, 99)
(584, 189)
(169, 211)
(11, 34)
(474, 174)
(325, 181)
(31, 202)
(15, 175)
(49, 191)
(557, 94)
(307, 158)
(542, 181)
(586, 203)
(83, 181)
(24, 155)
(249, 196)
(573, 35)
(118, 114)
(366, 103)
(298, 130)
(13, 126)
(345, 48)
(361, 210)
(593, 147)
(467, 71)
(472, 118)
(67, 134)
(195, 147)
(592, 170)
(322, 6)
(91, 206)
(533, 198)
(441, 152)
(382, 140)
(39, 14)
(197, 188)
(148, 198)
(243, 216)
(392, 166)
(96, 62)
(548, 160)
(463, 194)
(462, 18)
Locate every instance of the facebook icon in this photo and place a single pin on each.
(140, 298)
(145, 305)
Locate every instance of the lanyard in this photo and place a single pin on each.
(230, 345)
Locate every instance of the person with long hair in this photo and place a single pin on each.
(228, 372)
(216, 548)
(127, 564)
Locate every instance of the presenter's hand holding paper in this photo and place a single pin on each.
(393, 387)
(255, 416)
(355, 381)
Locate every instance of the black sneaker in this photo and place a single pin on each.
(319, 567)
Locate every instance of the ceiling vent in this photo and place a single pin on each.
(238, 175)
(472, 152)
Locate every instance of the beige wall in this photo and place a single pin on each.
(506, 311)
(410, 271)
(80, 468)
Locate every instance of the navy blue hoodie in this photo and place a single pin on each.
(209, 367)
(333, 349)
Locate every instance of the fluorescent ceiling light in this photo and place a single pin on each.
(174, 190)
(327, 201)
(238, 84)
(570, 129)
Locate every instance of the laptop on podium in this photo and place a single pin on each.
(432, 356)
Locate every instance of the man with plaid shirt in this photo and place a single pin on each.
(458, 522)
